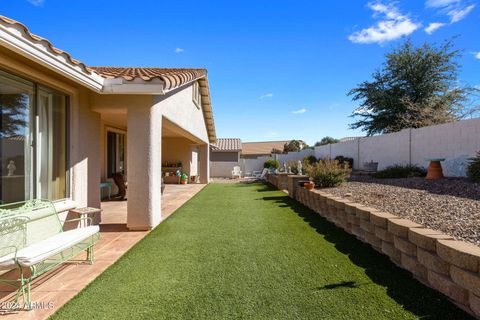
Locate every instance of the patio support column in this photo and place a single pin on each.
(144, 138)
(204, 170)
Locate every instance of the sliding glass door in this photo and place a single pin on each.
(33, 133)
(51, 144)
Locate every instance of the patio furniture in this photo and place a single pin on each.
(435, 171)
(236, 172)
(119, 180)
(106, 185)
(33, 241)
(260, 174)
(85, 213)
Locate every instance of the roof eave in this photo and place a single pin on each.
(14, 37)
(122, 86)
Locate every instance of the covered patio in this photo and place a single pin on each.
(56, 287)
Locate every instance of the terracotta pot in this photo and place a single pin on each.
(183, 181)
(309, 185)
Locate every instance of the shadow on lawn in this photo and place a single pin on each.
(401, 286)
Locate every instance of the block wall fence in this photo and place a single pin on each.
(437, 260)
(456, 142)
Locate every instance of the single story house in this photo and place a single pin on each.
(224, 155)
(67, 126)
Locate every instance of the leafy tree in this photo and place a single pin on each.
(326, 140)
(294, 145)
(13, 113)
(416, 87)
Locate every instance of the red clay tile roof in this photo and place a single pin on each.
(227, 144)
(45, 42)
(172, 77)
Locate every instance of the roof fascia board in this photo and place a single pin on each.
(121, 86)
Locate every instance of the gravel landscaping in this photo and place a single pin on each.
(449, 205)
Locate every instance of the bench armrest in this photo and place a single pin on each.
(16, 250)
(89, 220)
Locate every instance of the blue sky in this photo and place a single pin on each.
(277, 69)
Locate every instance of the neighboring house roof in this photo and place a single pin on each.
(16, 36)
(261, 148)
(227, 144)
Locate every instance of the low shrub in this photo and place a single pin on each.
(342, 160)
(310, 160)
(473, 169)
(271, 163)
(401, 171)
(328, 173)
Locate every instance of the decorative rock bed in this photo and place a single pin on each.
(436, 259)
(449, 205)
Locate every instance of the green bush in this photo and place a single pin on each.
(473, 169)
(342, 160)
(310, 160)
(328, 173)
(400, 171)
(271, 164)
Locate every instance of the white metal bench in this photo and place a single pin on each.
(33, 241)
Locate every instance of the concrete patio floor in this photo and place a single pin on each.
(61, 284)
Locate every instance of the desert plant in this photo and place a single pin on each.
(271, 163)
(401, 171)
(327, 173)
(347, 160)
(473, 169)
(310, 160)
(326, 140)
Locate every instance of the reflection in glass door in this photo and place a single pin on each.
(16, 105)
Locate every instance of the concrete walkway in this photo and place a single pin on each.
(55, 288)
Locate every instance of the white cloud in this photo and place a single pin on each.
(36, 3)
(434, 26)
(179, 50)
(459, 13)
(456, 10)
(392, 25)
(333, 106)
(476, 54)
(266, 95)
(299, 111)
(440, 3)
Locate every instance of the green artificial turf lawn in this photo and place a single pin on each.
(248, 251)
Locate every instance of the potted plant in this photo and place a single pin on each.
(309, 185)
(184, 178)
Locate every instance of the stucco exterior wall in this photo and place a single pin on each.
(178, 107)
(183, 150)
(223, 169)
